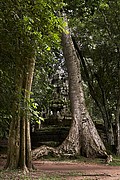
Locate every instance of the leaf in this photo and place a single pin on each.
(48, 48)
(104, 5)
(38, 122)
(41, 118)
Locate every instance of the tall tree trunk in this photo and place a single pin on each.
(30, 67)
(14, 132)
(19, 146)
(83, 137)
(102, 106)
(88, 141)
(118, 128)
(117, 120)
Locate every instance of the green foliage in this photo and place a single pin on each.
(30, 28)
(32, 24)
(35, 114)
(27, 28)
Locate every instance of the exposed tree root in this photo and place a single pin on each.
(44, 151)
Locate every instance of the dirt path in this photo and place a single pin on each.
(64, 171)
(75, 171)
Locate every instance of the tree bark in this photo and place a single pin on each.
(19, 146)
(117, 119)
(89, 140)
(118, 128)
(14, 132)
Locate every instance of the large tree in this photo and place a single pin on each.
(83, 137)
(88, 140)
(28, 28)
(98, 46)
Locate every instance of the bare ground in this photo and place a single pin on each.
(61, 170)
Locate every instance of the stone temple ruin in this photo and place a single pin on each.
(57, 116)
(59, 109)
